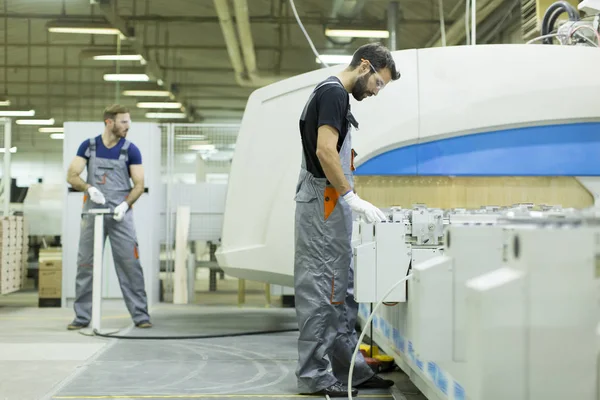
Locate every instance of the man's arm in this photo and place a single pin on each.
(330, 159)
(137, 176)
(75, 169)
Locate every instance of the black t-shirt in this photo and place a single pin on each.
(328, 106)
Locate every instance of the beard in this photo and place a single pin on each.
(119, 132)
(359, 91)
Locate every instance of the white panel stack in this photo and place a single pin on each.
(381, 259)
(14, 244)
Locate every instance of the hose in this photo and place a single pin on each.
(360, 339)
(194, 336)
(552, 14)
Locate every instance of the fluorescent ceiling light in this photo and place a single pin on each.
(126, 77)
(334, 59)
(12, 150)
(202, 147)
(35, 121)
(17, 113)
(83, 27)
(119, 57)
(5, 103)
(356, 33)
(148, 93)
(90, 30)
(158, 105)
(58, 136)
(165, 115)
(190, 137)
(52, 129)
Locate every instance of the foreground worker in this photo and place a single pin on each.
(323, 266)
(111, 162)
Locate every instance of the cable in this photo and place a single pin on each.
(550, 35)
(552, 14)
(312, 46)
(194, 336)
(468, 33)
(360, 339)
(442, 22)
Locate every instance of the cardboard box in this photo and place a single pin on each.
(50, 287)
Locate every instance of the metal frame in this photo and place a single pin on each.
(6, 181)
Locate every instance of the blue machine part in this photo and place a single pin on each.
(552, 150)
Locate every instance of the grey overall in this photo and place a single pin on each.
(323, 280)
(111, 177)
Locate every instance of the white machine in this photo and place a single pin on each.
(146, 211)
(507, 308)
(497, 110)
(461, 110)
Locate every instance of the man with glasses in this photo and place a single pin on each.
(323, 265)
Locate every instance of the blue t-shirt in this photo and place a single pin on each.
(135, 157)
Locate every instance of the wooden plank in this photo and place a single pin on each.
(182, 228)
(472, 192)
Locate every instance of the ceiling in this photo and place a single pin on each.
(184, 45)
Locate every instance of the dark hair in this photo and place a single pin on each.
(378, 55)
(111, 112)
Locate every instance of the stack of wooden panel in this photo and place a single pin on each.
(14, 245)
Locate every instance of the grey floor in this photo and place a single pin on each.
(39, 359)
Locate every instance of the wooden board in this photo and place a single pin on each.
(471, 192)
(182, 227)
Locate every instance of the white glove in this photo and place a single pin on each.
(120, 211)
(96, 196)
(366, 209)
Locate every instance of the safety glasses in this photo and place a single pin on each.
(380, 84)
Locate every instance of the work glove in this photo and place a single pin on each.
(364, 208)
(120, 211)
(96, 196)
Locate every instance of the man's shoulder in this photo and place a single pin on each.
(333, 87)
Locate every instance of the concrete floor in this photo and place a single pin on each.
(40, 359)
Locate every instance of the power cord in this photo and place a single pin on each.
(360, 339)
(111, 336)
(312, 46)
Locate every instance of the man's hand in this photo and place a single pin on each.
(120, 211)
(366, 209)
(96, 196)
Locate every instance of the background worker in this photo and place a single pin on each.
(112, 163)
(323, 265)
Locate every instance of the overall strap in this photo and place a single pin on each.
(124, 153)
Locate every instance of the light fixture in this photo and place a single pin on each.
(170, 105)
(52, 129)
(165, 115)
(82, 27)
(202, 147)
(4, 103)
(57, 136)
(190, 137)
(357, 33)
(17, 113)
(126, 77)
(118, 57)
(148, 93)
(334, 59)
(12, 150)
(35, 121)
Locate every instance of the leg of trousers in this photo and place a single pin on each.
(347, 339)
(123, 241)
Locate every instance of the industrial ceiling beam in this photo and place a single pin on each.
(152, 67)
(262, 19)
(456, 33)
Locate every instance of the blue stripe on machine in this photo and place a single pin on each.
(553, 150)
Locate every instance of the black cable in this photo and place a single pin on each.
(552, 14)
(194, 336)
